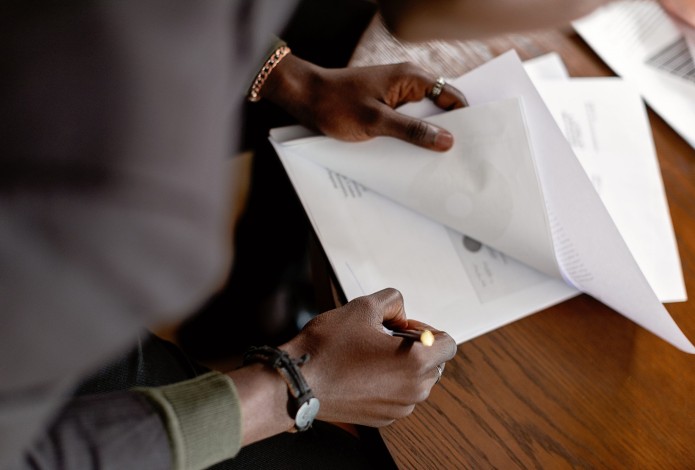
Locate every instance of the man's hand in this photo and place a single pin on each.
(361, 374)
(684, 10)
(357, 103)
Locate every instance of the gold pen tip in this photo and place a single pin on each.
(427, 338)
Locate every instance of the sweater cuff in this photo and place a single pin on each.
(202, 417)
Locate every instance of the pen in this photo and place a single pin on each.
(424, 336)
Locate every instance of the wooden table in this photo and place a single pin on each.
(576, 385)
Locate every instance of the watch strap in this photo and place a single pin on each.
(288, 369)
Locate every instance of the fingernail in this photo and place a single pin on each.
(443, 140)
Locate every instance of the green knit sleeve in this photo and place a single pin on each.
(202, 417)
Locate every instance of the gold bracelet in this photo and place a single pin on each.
(270, 64)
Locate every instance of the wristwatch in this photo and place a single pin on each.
(302, 405)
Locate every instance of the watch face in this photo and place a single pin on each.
(306, 414)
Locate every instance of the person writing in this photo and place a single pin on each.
(117, 117)
(116, 126)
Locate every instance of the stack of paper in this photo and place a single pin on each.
(504, 224)
(646, 47)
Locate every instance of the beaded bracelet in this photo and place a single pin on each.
(270, 64)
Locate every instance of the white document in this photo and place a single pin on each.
(606, 124)
(589, 251)
(448, 280)
(644, 46)
(546, 67)
(485, 187)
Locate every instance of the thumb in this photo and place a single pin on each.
(386, 308)
(444, 347)
(415, 131)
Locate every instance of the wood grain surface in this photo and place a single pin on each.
(574, 386)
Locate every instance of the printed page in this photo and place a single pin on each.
(448, 280)
(605, 122)
(485, 186)
(644, 46)
(592, 255)
(687, 30)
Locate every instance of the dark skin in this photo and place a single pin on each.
(360, 374)
(356, 104)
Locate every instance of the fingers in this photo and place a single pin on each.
(445, 345)
(385, 307)
(416, 84)
(410, 83)
(362, 375)
(450, 98)
(414, 131)
(443, 349)
(435, 357)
